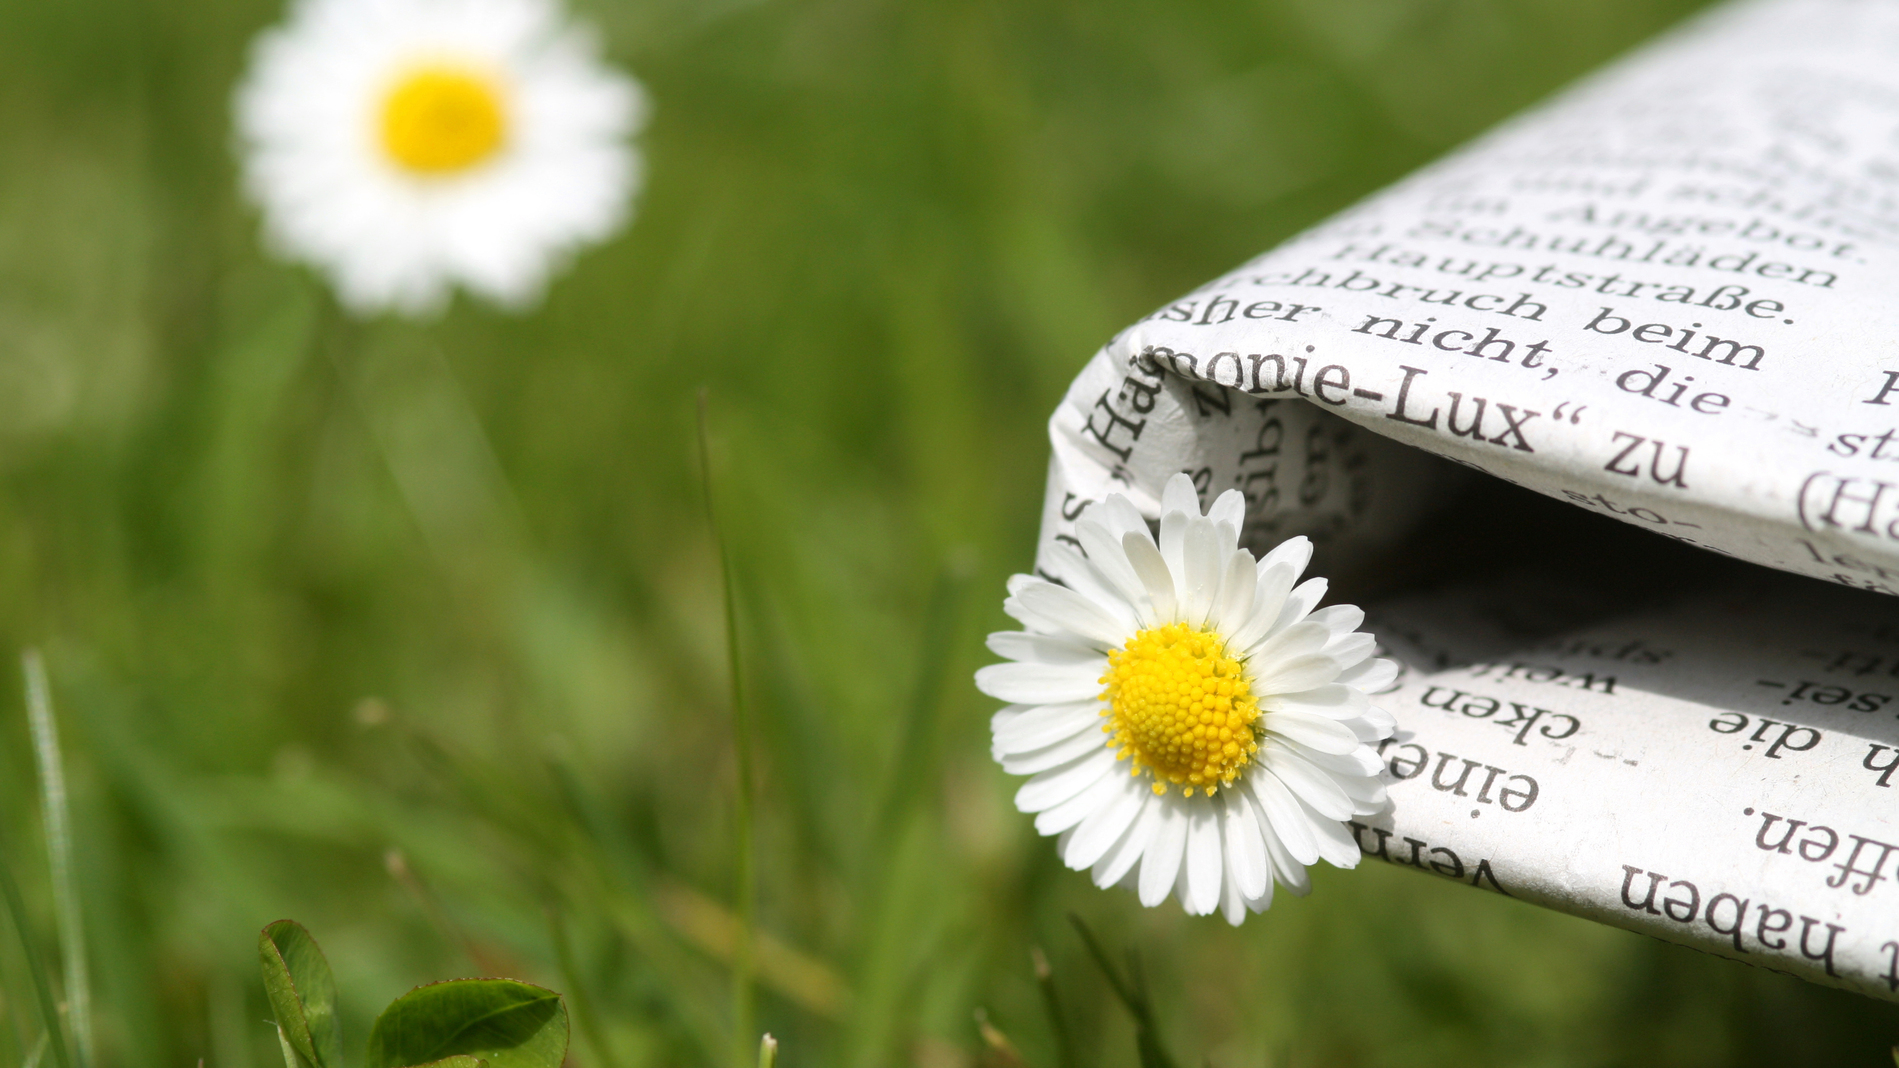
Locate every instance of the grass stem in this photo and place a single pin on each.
(1052, 1004)
(396, 863)
(51, 1032)
(917, 731)
(577, 994)
(59, 848)
(744, 996)
(1131, 991)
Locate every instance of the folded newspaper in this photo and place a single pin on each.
(1669, 297)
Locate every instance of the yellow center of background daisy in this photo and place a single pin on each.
(440, 120)
(1182, 708)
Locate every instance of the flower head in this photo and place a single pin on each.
(1236, 718)
(406, 146)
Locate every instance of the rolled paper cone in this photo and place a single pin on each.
(1670, 296)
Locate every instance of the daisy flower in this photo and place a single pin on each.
(405, 146)
(1237, 722)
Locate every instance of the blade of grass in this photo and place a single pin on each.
(396, 863)
(887, 960)
(743, 992)
(59, 850)
(767, 1052)
(53, 1033)
(1147, 1038)
(229, 1025)
(1052, 1004)
(13, 1040)
(1132, 993)
(901, 792)
(999, 1052)
(578, 996)
(616, 882)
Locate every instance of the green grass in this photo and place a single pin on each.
(310, 591)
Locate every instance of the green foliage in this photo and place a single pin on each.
(460, 1023)
(302, 995)
(498, 1022)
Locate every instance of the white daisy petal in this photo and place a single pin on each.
(1173, 547)
(1051, 788)
(1045, 725)
(1351, 649)
(1054, 609)
(1119, 516)
(1232, 902)
(1039, 684)
(1321, 792)
(1299, 673)
(1205, 861)
(1160, 864)
(1300, 639)
(1008, 714)
(1238, 585)
(1339, 618)
(1101, 829)
(1370, 676)
(1051, 756)
(1325, 735)
(1263, 901)
(1042, 649)
(1201, 568)
(1287, 869)
(1269, 596)
(1368, 795)
(1299, 602)
(1336, 845)
(1122, 857)
(1333, 701)
(1055, 820)
(1285, 817)
(1082, 576)
(1147, 562)
(1229, 510)
(1368, 730)
(1246, 859)
(1359, 763)
(1104, 550)
(1294, 554)
(1180, 496)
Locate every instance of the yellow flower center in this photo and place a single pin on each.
(441, 119)
(1182, 709)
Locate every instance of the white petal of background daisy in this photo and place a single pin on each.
(1238, 724)
(406, 146)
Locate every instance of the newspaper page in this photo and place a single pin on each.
(1669, 297)
(1719, 772)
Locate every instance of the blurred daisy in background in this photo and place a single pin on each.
(407, 146)
(1237, 719)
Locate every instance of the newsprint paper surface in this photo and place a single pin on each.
(1669, 297)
